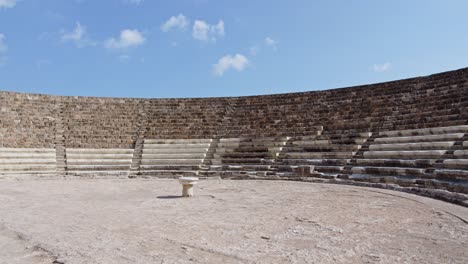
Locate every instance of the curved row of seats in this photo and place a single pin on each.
(27, 162)
(98, 162)
(172, 157)
(430, 158)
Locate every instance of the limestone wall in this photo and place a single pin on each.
(28, 120)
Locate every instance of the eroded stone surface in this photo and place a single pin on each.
(143, 221)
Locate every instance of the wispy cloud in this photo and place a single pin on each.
(3, 45)
(78, 36)
(3, 50)
(237, 62)
(7, 3)
(206, 32)
(128, 38)
(382, 67)
(135, 2)
(175, 22)
(271, 43)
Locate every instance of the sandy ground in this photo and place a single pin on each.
(144, 221)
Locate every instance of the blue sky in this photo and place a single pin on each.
(207, 48)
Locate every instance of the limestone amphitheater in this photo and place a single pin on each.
(369, 174)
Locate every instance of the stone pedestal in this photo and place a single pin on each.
(187, 185)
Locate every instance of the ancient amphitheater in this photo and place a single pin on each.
(337, 176)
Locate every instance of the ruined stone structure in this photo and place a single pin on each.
(410, 135)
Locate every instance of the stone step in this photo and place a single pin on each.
(426, 131)
(170, 167)
(465, 144)
(456, 163)
(31, 155)
(98, 151)
(171, 161)
(318, 162)
(424, 163)
(27, 150)
(425, 138)
(415, 154)
(413, 146)
(168, 173)
(451, 174)
(336, 169)
(319, 155)
(38, 172)
(242, 155)
(98, 173)
(240, 168)
(99, 167)
(390, 171)
(250, 161)
(50, 167)
(460, 154)
(175, 146)
(99, 161)
(26, 161)
(251, 145)
(321, 148)
(177, 141)
(321, 142)
(264, 140)
(174, 156)
(99, 156)
(175, 150)
(247, 150)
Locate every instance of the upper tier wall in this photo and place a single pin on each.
(32, 121)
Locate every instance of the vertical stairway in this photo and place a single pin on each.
(139, 143)
(60, 154)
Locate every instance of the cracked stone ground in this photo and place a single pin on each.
(144, 221)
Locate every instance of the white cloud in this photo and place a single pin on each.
(180, 21)
(3, 46)
(3, 50)
(237, 62)
(271, 43)
(136, 2)
(128, 38)
(7, 3)
(78, 36)
(206, 32)
(382, 67)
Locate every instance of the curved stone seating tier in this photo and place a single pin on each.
(413, 146)
(425, 138)
(172, 157)
(391, 171)
(417, 163)
(27, 162)
(460, 154)
(98, 162)
(456, 163)
(426, 131)
(406, 154)
(434, 154)
(248, 151)
(329, 153)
